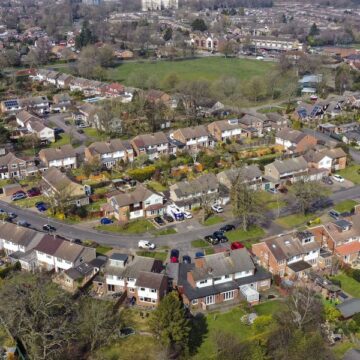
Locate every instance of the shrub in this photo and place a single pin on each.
(356, 274)
(142, 174)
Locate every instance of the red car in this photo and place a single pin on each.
(237, 245)
(33, 192)
(174, 259)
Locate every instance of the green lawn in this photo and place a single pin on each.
(153, 254)
(346, 205)
(168, 231)
(94, 134)
(30, 201)
(133, 227)
(230, 322)
(272, 201)
(156, 186)
(351, 173)
(102, 249)
(63, 139)
(213, 220)
(348, 284)
(340, 349)
(209, 68)
(293, 221)
(199, 243)
(246, 237)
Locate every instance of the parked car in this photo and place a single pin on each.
(11, 216)
(33, 192)
(327, 180)
(23, 223)
(211, 239)
(175, 212)
(174, 253)
(236, 245)
(338, 178)
(199, 254)
(187, 214)
(168, 218)
(227, 227)
(272, 191)
(159, 221)
(106, 221)
(48, 228)
(219, 235)
(18, 196)
(334, 214)
(58, 131)
(76, 241)
(144, 244)
(186, 259)
(217, 208)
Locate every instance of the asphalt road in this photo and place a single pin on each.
(180, 240)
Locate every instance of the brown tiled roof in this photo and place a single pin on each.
(62, 152)
(151, 280)
(194, 132)
(49, 244)
(150, 139)
(139, 194)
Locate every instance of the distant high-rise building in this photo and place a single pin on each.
(153, 5)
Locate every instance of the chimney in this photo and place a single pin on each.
(199, 262)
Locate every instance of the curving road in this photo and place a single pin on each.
(181, 240)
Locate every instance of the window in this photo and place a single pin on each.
(111, 287)
(229, 295)
(209, 300)
(194, 302)
(203, 281)
(142, 289)
(153, 301)
(153, 290)
(131, 290)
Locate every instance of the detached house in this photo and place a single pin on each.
(152, 145)
(229, 276)
(59, 254)
(138, 203)
(61, 157)
(193, 137)
(341, 237)
(110, 153)
(291, 255)
(137, 276)
(329, 159)
(190, 194)
(295, 141)
(224, 130)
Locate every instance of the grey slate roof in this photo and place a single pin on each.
(18, 234)
(349, 307)
(290, 165)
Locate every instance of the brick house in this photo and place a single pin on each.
(295, 141)
(61, 157)
(290, 255)
(193, 137)
(153, 145)
(330, 159)
(12, 166)
(223, 130)
(226, 277)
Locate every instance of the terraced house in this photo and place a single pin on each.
(110, 153)
(61, 157)
(193, 137)
(152, 145)
(224, 130)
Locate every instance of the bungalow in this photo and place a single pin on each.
(308, 112)
(351, 137)
(110, 153)
(226, 277)
(55, 183)
(223, 130)
(295, 141)
(251, 175)
(61, 157)
(59, 254)
(193, 137)
(137, 276)
(291, 255)
(330, 159)
(152, 145)
(341, 237)
(14, 238)
(277, 122)
(138, 203)
(190, 194)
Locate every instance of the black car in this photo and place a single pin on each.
(168, 218)
(23, 223)
(77, 241)
(186, 259)
(211, 239)
(174, 253)
(159, 221)
(219, 235)
(227, 227)
(48, 228)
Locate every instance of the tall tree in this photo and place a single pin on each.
(169, 323)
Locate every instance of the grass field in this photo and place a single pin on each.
(348, 284)
(153, 254)
(246, 237)
(346, 205)
(133, 227)
(351, 173)
(102, 249)
(213, 220)
(63, 139)
(292, 221)
(210, 69)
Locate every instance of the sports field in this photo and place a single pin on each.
(210, 69)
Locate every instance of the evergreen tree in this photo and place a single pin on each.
(314, 30)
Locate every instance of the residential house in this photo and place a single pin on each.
(55, 183)
(61, 157)
(42, 132)
(281, 171)
(14, 238)
(86, 114)
(250, 175)
(308, 112)
(351, 137)
(291, 255)
(63, 81)
(190, 194)
(330, 159)
(223, 130)
(255, 124)
(110, 153)
(54, 253)
(140, 277)
(193, 137)
(61, 102)
(137, 203)
(11, 106)
(38, 104)
(341, 237)
(12, 166)
(113, 90)
(277, 122)
(295, 141)
(225, 277)
(156, 96)
(152, 145)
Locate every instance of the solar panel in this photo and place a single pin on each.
(11, 103)
(302, 113)
(315, 110)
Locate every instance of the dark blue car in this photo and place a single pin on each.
(106, 221)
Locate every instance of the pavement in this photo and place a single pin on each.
(181, 240)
